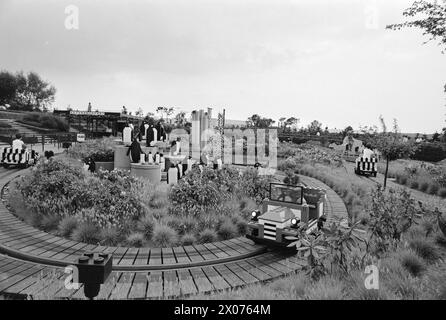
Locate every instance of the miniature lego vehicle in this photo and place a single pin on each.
(288, 211)
(20, 158)
(366, 166)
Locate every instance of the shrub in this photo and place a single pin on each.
(425, 249)
(227, 230)
(103, 156)
(433, 189)
(188, 239)
(146, 225)
(424, 186)
(411, 262)
(110, 236)
(67, 226)
(429, 151)
(403, 180)
(414, 184)
(442, 192)
(241, 226)
(440, 240)
(49, 222)
(207, 235)
(164, 236)
(86, 232)
(135, 239)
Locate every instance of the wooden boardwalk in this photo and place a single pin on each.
(32, 262)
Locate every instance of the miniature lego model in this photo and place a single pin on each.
(94, 269)
(22, 158)
(367, 166)
(288, 210)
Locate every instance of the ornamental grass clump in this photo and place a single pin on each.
(164, 236)
(227, 230)
(86, 232)
(135, 239)
(188, 239)
(146, 225)
(67, 225)
(207, 235)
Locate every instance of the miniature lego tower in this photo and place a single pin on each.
(200, 123)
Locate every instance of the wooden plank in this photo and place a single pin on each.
(255, 272)
(204, 252)
(229, 276)
(155, 256)
(217, 281)
(122, 288)
(109, 285)
(155, 285)
(129, 256)
(118, 254)
(215, 250)
(168, 256)
(171, 285)
(186, 282)
(181, 255)
(193, 254)
(143, 257)
(201, 281)
(139, 287)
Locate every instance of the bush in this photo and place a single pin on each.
(424, 186)
(46, 120)
(49, 222)
(207, 235)
(425, 249)
(146, 225)
(413, 264)
(227, 230)
(103, 156)
(440, 240)
(67, 226)
(164, 236)
(188, 239)
(87, 233)
(242, 227)
(442, 192)
(135, 239)
(433, 189)
(414, 184)
(429, 151)
(110, 237)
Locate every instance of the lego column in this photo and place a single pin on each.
(195, 133)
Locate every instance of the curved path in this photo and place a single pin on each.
(32, 261)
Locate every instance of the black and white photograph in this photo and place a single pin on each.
(217, 157)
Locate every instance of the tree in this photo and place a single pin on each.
(124, 110)
(314, 127)
(33, 93)
(8, 87)
(391, 146)
(291, 121)
(139, 112)
(256, 121)
(281, 122)
(346, 130)
(433, 22)
(164, 111)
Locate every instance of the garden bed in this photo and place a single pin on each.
(115, 209)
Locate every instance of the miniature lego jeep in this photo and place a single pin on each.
(288, 210)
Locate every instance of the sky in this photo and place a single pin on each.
(326, 60)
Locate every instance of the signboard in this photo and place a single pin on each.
(80, 137)
(86, 113)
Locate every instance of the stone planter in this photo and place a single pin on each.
(122, 160)
(151, 172)
(104, 165)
